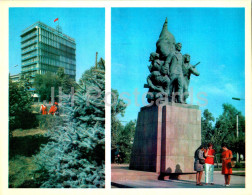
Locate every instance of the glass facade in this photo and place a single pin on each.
(44, 49)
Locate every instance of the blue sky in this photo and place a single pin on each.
(85, 25)
(213, 36)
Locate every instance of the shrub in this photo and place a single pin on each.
(48, 121)
(20, 101)
(239, 165)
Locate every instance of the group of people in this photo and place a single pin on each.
(54, 109)
(204, 159)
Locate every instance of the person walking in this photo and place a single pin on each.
(43, 109)
(53, 109)
(199, 162)
(57, 109)
(209, 164)
(226, 157)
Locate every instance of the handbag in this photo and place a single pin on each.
(202, 161)
(229, 165)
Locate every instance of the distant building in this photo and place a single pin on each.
(15, 77)
(44, 49)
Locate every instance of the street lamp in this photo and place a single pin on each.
(234, 98)
(237, 126)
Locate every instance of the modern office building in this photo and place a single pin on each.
(44, 49)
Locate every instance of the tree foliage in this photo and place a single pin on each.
(118, 107)
(74, 157)
(224, 130)
(124, 140)
(44, 83)
(207, 129)
(122, 136)
(86, 75)
(20, 101)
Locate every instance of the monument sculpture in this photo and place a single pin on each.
(174, 84)
(167, 134)
(188, 69)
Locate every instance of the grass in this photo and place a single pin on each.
(21, 170)
(26, 145)
(239, 174)
(234, 169)
(27, 132)
(22, 146)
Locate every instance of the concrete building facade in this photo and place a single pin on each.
(15, 77)
(44, 49)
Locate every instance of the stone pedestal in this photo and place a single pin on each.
(166, 138)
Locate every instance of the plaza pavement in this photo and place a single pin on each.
(122, 177)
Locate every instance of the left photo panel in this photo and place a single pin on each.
(56, 98)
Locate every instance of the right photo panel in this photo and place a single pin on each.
(178, 97)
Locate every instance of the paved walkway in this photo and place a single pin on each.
(122, 177)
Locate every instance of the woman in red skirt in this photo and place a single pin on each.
(226, 157)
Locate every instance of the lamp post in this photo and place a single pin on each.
(237, 126)
(237, 134)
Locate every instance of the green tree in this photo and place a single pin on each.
(118, 107)
(207, 129)
(225, 129)
(20, 101)
(121, 136)
(44, 83)
(124, 140)
(87, 74)
(65, 81)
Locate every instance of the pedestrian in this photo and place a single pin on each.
(226, 157)
(53, 109)
(57, 110)
(43, 109)
(209, 164)
(199, 162)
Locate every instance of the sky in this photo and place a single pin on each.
(215, 37)
(85, 25)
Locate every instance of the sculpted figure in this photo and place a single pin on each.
(155, 62)
(174, 61)
(188, 69)
(169, 71)
(158, 83)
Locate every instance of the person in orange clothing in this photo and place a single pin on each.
(53, 109)
(43, 109)
(57, 108)
(226, 157)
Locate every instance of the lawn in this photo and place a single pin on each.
(23, 145)
(234, 169)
